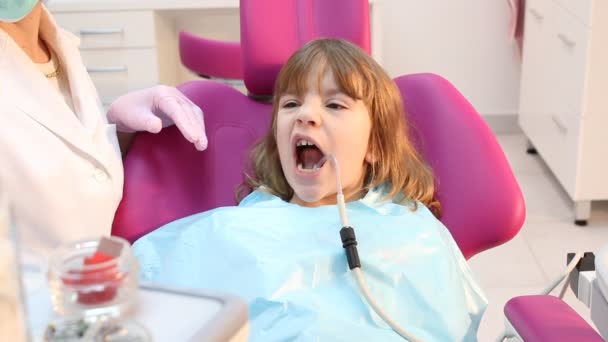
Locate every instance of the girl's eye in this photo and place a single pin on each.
(290, 104)
(335, 105)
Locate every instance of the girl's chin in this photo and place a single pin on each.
(308, 199)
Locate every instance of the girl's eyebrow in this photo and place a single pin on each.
(333, 92)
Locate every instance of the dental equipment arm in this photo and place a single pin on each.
(590, 285)
(349, 242)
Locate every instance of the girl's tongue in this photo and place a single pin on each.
(308, 156)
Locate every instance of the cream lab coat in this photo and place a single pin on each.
(61, 169)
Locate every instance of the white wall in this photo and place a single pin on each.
(465, 41)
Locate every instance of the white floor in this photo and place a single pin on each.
(526, 264)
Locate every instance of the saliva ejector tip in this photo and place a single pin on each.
(322, 161)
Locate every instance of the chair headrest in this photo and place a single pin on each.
(272, 30)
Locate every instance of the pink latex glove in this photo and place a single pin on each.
(154, 108)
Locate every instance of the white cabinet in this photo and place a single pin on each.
(114, 29)
(564, 94)
(118, 71)
(119, 48)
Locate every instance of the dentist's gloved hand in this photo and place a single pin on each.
(154, 108)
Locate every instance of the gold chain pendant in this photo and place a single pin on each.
(53, 74)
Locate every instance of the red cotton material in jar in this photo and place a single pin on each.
(96, 285)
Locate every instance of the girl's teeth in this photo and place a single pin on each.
(304, 142)
(302, 169)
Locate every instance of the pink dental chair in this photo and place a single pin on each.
(167, 179)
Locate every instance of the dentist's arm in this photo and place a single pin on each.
(152, 109)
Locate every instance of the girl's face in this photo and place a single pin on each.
(322, 121)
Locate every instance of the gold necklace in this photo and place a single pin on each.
(53, 74)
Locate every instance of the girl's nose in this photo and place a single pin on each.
(309, 115)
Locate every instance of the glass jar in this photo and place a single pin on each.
(87, 283)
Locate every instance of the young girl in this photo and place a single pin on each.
(280, 248)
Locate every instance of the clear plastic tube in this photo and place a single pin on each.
(340, 194)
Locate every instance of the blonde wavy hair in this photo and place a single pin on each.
(397, 164)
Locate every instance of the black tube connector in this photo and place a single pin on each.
(587, 263)
(349, 242)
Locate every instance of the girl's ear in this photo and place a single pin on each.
(370, 156)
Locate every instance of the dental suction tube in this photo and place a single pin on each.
(349, 242)
(340, 194)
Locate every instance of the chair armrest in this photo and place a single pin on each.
(209, 57)
(548, 318)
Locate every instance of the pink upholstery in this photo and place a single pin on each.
(548, 318)
(482, 204)
(166, 178)
(305, 20)
(210, 58)
(299, 21)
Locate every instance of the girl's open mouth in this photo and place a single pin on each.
(308, 156)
